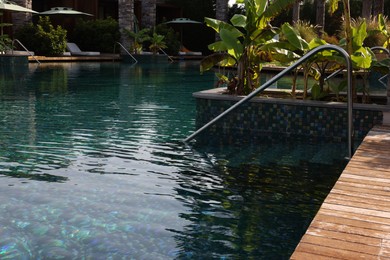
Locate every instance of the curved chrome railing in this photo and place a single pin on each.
(283, 73)
(128, 53)
(24, 47)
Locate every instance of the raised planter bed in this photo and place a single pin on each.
(285, 116)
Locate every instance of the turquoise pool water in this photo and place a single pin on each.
(92, 167)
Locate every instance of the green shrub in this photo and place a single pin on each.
(171, 38)
(96, 35)
(43, 38)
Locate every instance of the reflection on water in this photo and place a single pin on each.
(92, 166)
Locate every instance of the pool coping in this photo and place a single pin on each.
(218, 94)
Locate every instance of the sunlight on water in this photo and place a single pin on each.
(92, 166)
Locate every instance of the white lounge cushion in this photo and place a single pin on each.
(75, 50)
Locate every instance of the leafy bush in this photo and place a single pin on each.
(96, 35)
(43, 38)
(171, 38)
(138, 39)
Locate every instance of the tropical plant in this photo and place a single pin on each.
(171, 38)
(157, 42)
(242, 43)
(306, 30)
(5, 43)
(353, 42)
(374, 35)
(5, 40)
(138, 38)
(384, 30)
(43, 38)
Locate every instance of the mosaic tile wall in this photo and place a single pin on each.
(287, 119)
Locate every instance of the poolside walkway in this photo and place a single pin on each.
(354, 220)
(102, 57)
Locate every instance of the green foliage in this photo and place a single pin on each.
(306, 30)
(384, 30)
(5, 40)
(43, 38)
(374, 35)
(5, 43)
(138, 38)
(157, 42)
(96, 35)
(244, 42)
(171, 38)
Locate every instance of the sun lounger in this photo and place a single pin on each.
(75, 50)
(185, 52)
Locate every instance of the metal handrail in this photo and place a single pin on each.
(373, 49)
(123, 47)
(24, 47)
(166, 54)
(283, 73)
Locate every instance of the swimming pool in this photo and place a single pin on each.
(92, 166)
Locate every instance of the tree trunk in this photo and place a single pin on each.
(320, 14)
(148, 13)
(379, 7)
(366, 9)
(296, 11)
(125, 20)
(221, 12)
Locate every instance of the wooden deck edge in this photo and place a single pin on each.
(354, 220)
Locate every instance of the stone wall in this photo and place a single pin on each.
(21, 18)
(148, 13)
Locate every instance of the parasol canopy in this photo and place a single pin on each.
(182, 22)
(63, 11)
(6, 5)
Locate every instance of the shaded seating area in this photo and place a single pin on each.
(184, 51)
(75, 50)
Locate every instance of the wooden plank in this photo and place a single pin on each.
(329, 252)
(345, 245)
(349, 228)
(354, 220)
(334, 232)
(359, 189)
(360, 202)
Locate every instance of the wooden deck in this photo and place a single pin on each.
(354, 220)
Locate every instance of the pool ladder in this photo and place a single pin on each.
(24, 47)
(283, 73)
(128, 53)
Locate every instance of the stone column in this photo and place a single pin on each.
(21, 18)
(125, 20)
(148, 14)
